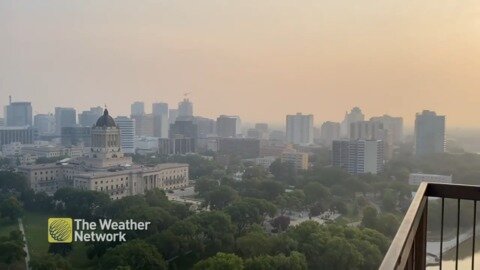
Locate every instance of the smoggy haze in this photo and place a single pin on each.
(258, 59)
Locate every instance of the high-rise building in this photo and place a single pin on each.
(429, 133)
(18, 114)
(2, 122)
(329, 131)
(89, 118)
(373, 130)
(259, 132)
(172, 115)
(185, 108)
(300, 129)
(160, 108)
(206, 127)
(144, 125)
(160, 120)
(44, 123)
(241, 147)
(64, 117)
(355, 115)
(394, 125)
(228, 126)
(137, 108)
(358, 156)
(78, 136)
(127, 133)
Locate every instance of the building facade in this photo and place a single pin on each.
(106, 169)
(64, 117)
(429, 133)
(299, 129)
(358, 156)
(127, 133)
(18, 114)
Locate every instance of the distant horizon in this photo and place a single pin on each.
(260, 60)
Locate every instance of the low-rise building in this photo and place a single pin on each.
(298, 159)
(416, 179)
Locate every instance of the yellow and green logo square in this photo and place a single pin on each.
(60, 230)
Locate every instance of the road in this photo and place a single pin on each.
(25, 248)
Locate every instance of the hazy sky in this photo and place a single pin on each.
(260, 59)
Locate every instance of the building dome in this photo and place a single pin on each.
(105, 120)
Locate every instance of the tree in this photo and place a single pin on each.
(249, 211)
(48, 262)
(283, 172)
(316, 193)
(135, 254)
(370, 217)
(221, 261)
(296, 261)
(294, 201)
(205, 185)
(253, 244)
(11, 208)
(11, 248)
(341, 254)
(271, 189)
(221, 197)
(62, 249)
(215, 229)
(81, 203)
(281, 223)
(389, 199)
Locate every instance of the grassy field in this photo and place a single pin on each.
(35, 225)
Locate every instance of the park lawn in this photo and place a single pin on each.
(36, 230)
(35, 225)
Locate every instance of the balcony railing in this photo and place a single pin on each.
(408, 249)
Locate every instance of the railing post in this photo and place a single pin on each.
(420, 242)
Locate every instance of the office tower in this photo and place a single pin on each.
(358, 156)
(137, 108)
(185, 108)
(18, 114)
(185, 128)
(206, 127)
(44, 123)
(64, 117)
(394, 125)
(76, 136)
(300, 129)
(144, 125)
(259, 132)
(127, 133)
(429, 133)
(160, 108)
(24, 135)
(228, 126)
(329, 132)
(160, 120)
(172, 115)
(355, 115)
(2, 122)
(89, 118)
(373, 130)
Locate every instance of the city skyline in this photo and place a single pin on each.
(320, 58)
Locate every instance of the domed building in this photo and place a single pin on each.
(106, 168)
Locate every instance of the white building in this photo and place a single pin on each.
(358, 156)
(300, 129)
(127, 133)
(416, 179)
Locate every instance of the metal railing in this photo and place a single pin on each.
(408, 249)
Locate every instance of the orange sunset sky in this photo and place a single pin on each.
(258, 59)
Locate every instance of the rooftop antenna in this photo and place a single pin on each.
(10, 99)
(186, 94)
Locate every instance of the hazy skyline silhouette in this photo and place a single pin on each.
(257, 59)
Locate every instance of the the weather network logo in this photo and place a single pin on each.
(60, 230)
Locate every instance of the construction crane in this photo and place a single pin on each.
(186, 94)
